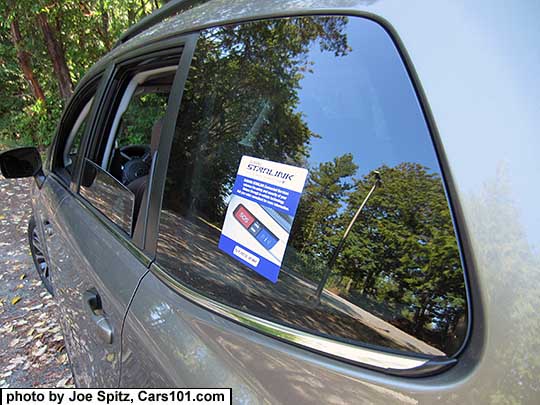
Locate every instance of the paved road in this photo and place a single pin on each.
(32, 352)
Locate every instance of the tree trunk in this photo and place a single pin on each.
(105, 25)
(58, 58)
(349, 285)
(25, 62)
(420, 316)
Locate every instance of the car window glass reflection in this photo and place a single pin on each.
(329, 94)
(108, 195)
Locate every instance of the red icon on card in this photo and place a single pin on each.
(244, 216)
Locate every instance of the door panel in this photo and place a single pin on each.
(88, 256)
(171, 342)
(45, 201)
(358, 302)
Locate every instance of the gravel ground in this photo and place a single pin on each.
(32, 351)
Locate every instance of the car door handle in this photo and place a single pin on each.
(92, 302)
(47, 227)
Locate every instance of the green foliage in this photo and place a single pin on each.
(35, 124)
(400, 261)
(141, 115)
(85, 29)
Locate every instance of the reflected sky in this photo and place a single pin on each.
(365, 95)
(356, 96)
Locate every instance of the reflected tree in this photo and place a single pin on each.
(401, 258)
(316, 231)
(400, 262)
(242, 95)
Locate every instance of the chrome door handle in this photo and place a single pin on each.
(92, 302)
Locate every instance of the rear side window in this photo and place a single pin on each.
(330, 95)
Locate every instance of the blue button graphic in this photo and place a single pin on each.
(266, 239)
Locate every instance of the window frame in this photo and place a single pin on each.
(89, 90)
(430, 365)
(83, 116)
(104, 110)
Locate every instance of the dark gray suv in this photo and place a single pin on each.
(305, 201)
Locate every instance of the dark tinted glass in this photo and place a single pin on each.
(332, 95)
(75, 146)
(108, 195)
(71, 131)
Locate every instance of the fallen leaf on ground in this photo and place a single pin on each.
(40, 351)
(63, 381)
(34, 307)
(18, 360)
(27, 340)
(15, 300)
(14, 342)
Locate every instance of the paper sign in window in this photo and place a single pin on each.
(264, 200)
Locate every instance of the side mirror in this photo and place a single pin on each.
(20, 162)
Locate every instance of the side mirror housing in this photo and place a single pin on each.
(21, 162)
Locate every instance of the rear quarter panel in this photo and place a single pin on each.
(476, 65)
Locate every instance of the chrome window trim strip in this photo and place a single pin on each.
(351, 353)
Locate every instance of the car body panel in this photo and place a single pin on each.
(486, 140)
(86, 255)
(476, 72)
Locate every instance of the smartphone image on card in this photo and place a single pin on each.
(255, 227)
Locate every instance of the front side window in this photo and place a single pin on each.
(331, 95)
(116, 178)
(71, 132)
(73, 144)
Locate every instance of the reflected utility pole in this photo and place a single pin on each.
(341, 243)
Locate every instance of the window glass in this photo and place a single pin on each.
(71, 132)
(137, 122)
(108, 195)
(73, 144)
(331, 95)
(131, 139)
(143, 111)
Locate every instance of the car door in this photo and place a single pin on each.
(97, 261)
(66, 262)
(370, 288)
(94, 267)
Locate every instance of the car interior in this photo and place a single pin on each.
(133, 137)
